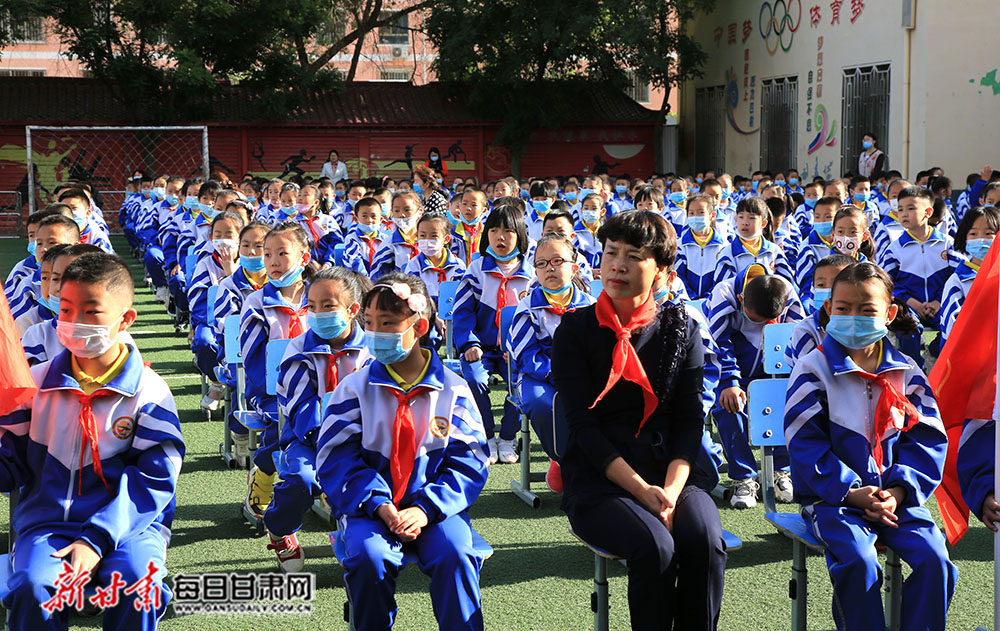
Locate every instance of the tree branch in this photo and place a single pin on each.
(300, 49)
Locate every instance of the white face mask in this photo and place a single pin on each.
(846, 245)
(430, 248)
(86, 340)
(894, 205)
(226, 247)
(405, 224)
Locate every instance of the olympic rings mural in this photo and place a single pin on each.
(776, 24)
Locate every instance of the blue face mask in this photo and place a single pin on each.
(419, 190)
(810, 203)
(172, 200)
(252, 264)
(288, 278)
(661, 294)
(820, 296)
(251, 199)
(53, 304)
(207, 209)
(542, 206)
(823, 228)
(856, 331)
(586, 191)
(328, 325)
(289, 211)
(31, 247)
(513, 254)
(571, 196)
(340, 194)
(793, 181)
(367, 229)
(387, 210)
(191, 202)
(699, 180)
(725, 194)
(590, 217)
(978, 248)
(525, 194)
(557, 292)
(780, 183)
(678, 198)
(620, 189)
(452, 220)
(387, 347)
(753, 185)
(861, 198)
(698, 224)
(867, 144)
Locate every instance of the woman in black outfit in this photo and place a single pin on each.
(629, 375)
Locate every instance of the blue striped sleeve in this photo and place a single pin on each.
(464, 314)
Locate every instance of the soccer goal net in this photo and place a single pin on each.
(106, 157)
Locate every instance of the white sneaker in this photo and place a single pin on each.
(241, 448)
(290, 557)
(783, 491)
(492, 444)
(506, 452)
(213, 398)
(745, 494)
(162, 293)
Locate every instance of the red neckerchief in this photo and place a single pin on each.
(625, 360)
(501, 299)
(472, 241)
(295, 316)
(89, 426)
(404, 448)
(332, 376)
(311, 224)
(414, 251)
(371, 249)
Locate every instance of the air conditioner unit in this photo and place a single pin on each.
(398, 52)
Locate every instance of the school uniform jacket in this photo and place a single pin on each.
(676, 215)
(476, 301)
(829, 428)
(586, 243)
(141, 449)
(962, 205)
(976, 462)
(207, 272)
(302, 380)
(260, 322)
(806, 336)
(355, 444)
(233, 291)
(739, 338)
(27, 295)
(316, 229)
(24, 269)
(95, 236)
(918, 269)
(532, 329)
(955, 291)
(452, 269)
(813, 249)
(463, 245)
(395, 253)
(360, 251)
(696, 265)
(736, 256)
(34, 315)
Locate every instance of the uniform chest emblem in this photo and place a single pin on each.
(440, 426)
(123, 428)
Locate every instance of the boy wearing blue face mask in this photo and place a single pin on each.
(29, 265)
(621, 195)
(975, 235)
(591, 215)
(400, 246)
(543, 195)
(793, 182)
(699, 248)
(816, 245)
(861, 196)
(811, 194)
(809, 332)
(468, 232)
(402, 456)
(867, 449)
(676, 204)
(363, 241)
(314, 364)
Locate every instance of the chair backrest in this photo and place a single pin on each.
(766, 403)
(596, 287)
(776, 337)
(213, 293)
(698, 305)
(274, 353)
(338, 254)
(446, 300)
(506, 318)
(190, 263)
(231, 339)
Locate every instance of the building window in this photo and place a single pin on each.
(21, 72)
(395, 33)
(779, 112)
(710, 128)
(638, 89)
(864, 109)
(29, 29)
(394, 75)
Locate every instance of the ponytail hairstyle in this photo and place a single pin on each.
(298, 234)
(756, 206)
(992, 221)
(577, 279)
(867, 246)
(355, 284)
(904, 323)
(385, 297)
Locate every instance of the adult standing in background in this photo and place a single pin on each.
(872, 161)
(334, 169)
(436, 164)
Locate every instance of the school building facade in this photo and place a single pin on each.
(797, 83)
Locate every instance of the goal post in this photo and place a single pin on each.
(106, 157)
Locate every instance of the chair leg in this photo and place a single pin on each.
(893, 590)
(797, 587)
(522, 487)
(599, 602)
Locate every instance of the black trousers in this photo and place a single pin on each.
(675, 580)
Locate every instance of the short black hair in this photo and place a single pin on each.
(61, 220)
(554, 215)
(509, 218)
(55, 251)
(640, 228)
(859, 179)
(649, 194)
(435, 216)
(210, 187)
(916, 191)
(835, 260)
(36, 217)
(766, 296)
(542, 189)
(107, 270)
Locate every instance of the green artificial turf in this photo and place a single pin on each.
(540, 577)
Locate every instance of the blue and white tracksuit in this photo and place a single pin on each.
(464, 246)
(393, 255)
(323, 225)
(302, 383)
(261, 321)
(204, 342)
(976, 462)
(233, 291)
(807, 335)
(476, 325)
(741, 355)
(24, 269)
(530, 347)
(452, 269)
(696, 264)
(955, 291)
(736, 256)
(588, 245)
(141, 450)
(829, 426)
(360, 251)
(449, 472)
(920, 270)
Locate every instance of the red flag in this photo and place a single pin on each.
(16, 383)
(964, 383)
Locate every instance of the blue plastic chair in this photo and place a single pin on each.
(338, 254)
(213, 294)
(522, 487)
(445, 313)
(766, 411)
(596, 287)
(776, 338)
